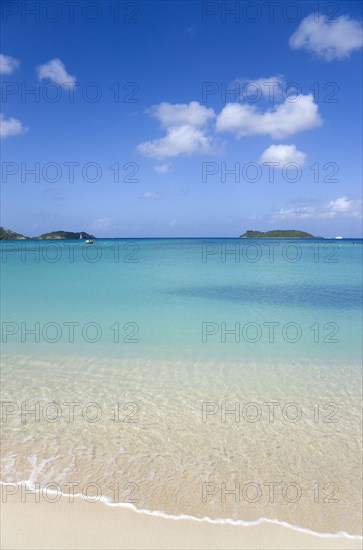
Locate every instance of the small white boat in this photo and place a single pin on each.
(89, 241)
(339, 237)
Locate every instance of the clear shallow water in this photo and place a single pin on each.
(298, 340)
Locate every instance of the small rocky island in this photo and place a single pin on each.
(8, 235)
(278, 234)
(65, 235)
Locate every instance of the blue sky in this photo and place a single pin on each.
(141, 87)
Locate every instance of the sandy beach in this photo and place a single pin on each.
(84, 525)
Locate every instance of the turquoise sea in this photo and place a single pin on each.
(169, 325)
(295, 299)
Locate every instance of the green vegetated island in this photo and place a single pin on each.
(8, 235)
(278, 234)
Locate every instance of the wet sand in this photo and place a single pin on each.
(84, 525)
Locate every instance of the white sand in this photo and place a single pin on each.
(81, 524)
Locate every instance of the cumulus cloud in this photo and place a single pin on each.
(283, 154)
(192, 114)
(56, 72)
(187, 131)
(163, 168)
(181, 140)
(340, 207)
(270, 88)
(285, 119)
(192, 128)
(328, 39)
(8, 64)
(11, 127)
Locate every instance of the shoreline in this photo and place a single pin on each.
(79, 523)
(35, 472)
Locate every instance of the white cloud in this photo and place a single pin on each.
(283, 154)
(56, 72)
(163, 168)
(192, 128)
(329, 39)
(186, 128)
(340, 207)
(8, 64)
(283, 120)
(343, 205)
(270, 88)
(11, 127)
(178, 114)
(180, 140)
(151, 195)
